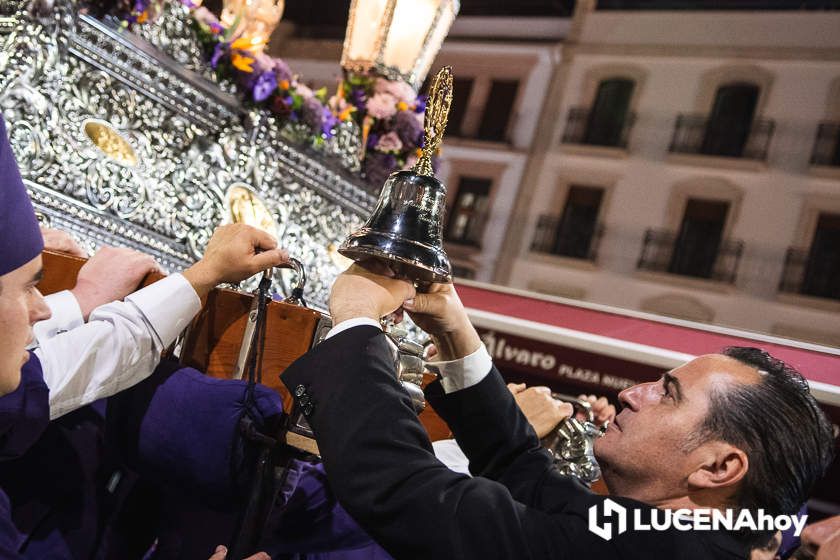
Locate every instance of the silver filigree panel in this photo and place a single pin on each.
(152, 169)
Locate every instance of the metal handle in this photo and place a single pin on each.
(296, 297)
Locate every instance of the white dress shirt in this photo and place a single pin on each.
(66, 315)
(118, 347)
(454, 374)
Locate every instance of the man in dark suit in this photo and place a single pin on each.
(675, 445)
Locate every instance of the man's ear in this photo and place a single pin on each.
(719, 465)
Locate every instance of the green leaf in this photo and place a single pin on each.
(297, 101)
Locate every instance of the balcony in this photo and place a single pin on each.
(698, 135)
(810, 277)
(827, 145)
(582, 245)
(581, 128)
(664, 252)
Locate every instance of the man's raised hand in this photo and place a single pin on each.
(234, 253)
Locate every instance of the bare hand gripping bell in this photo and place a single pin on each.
(406, 227)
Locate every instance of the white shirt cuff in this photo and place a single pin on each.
(350, 323)
(450, 454)
(169, 305)
(66, 315)
(464, 373)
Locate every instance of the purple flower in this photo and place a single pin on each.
(328, 122)
(282, 70)
(358, 98)
(421, 103)
(263, 63)
(408, 127)
(264, 85)
(312, 113)
(373, 140)
(218, 52)
(378, 166)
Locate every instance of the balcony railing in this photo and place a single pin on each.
(827, 145)
(580, 129)
(664, 251)
(582, 245)
(803, 276)
(697, 134)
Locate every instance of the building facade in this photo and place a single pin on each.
(687, 163)
(503, 68)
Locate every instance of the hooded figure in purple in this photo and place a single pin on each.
(24, 397)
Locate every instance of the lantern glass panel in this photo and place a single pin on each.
(366, 21)
(412, 21)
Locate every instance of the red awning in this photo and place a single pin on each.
(817, 363)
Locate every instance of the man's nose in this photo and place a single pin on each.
(635, 397)
(38, 308)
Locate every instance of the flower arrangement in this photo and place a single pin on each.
(389, 112)
(390, 115)
(264, 80)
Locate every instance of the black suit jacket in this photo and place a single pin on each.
(380, 463)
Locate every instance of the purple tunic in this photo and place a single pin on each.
(311, 524)
(24, 414)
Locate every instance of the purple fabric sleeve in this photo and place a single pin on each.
(180, 428)
(310, 522)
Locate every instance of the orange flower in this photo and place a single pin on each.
(241, 62)
(345, 114)
(246, 44)
(284, 84)
(143, 17)
(418, 152)
(402, 106)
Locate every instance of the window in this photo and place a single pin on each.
(463, 272)
(827, 145)
(577, 227)
(469, 211)
(730, 121)
(699, 238)
(461, 91)
(497, 110)
(822, 273)
(608, 114)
